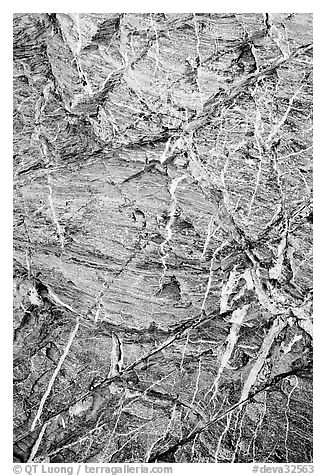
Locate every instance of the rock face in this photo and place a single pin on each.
(163, 237)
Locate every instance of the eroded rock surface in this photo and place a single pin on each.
(163, 237)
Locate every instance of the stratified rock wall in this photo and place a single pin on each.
(163, 237)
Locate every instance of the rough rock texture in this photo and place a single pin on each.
(163, 236)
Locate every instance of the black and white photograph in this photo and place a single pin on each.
(162, 238)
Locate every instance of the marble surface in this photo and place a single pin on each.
(163, 237)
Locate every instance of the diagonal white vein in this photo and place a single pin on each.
(54, 375)
(277, 327)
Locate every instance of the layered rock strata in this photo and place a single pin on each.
(163, 237)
